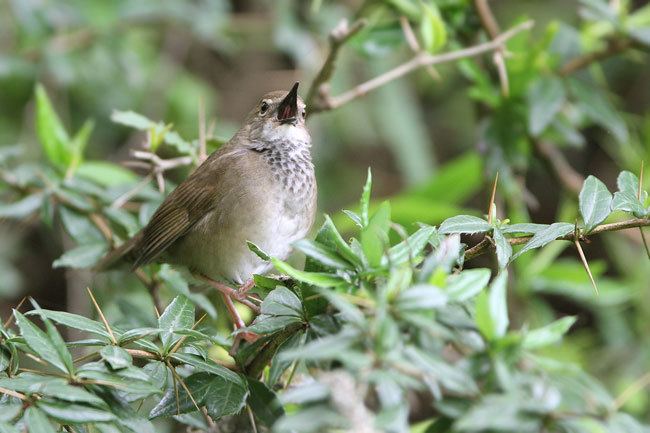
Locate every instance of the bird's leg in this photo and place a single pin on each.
(244, 288)
(232, 293)
(228, 294)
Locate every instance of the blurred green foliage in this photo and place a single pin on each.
(575, 96)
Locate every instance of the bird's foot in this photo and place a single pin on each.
(228, 294)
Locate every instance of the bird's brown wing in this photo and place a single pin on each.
(180, 211)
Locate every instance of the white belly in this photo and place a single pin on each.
(217, 247)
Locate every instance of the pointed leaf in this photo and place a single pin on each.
(467, 284)
(178, 315)
(595, 201)
(503, 248)
(543, 237)
(492, 309)
(464, 224)
(37, 421)
(548, 334)
(40, 343)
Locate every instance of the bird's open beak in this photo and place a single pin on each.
(288, 108)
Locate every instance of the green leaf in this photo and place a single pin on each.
(51, 133)
(68, 413)
(409, 248)
(265, 324)
(37, 421)
(595, 202)
(503, 248)
(365, 199)
(78, 145)
(626, 198)
(136, 334)
(548, 334)
(464, 224)
(322, 254)
(81, 257)
(627, 182)
(599, 109)
(72, 321)
(627, 202)
(21, 208)
(282, 302)
(374, 236)
(220, 397)
(314, 278)
(492, 309)
(258, 251)
(432, 28)
(523, 228)
(116, 357)
(59, 388)
(348, 310)
(178, 315)
(105, 173)
(467, 284)
(264, 402)
(132, 119)
(8, 428)
(208, 366)
(544, 236)
(42, 344)
(329, 235)
(421, 297)
(546, 96)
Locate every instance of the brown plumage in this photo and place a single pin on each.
(258, 187)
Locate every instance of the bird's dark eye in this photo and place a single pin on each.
(264, 107)
(304, 113)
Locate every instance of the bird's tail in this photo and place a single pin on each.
(125, 253)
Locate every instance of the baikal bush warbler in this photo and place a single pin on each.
(258, 187)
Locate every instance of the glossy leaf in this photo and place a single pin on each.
(544, 236)
(37, 421)
(595, 202)
(220, 397)
(178, 315)
(492, 309)
(464, 224)
(41, 343)
(503, 248)
(467, 284)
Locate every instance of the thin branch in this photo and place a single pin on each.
(629, 392)
(613, 47)
(492, 28)
(102, 226)
(640, 190)
(485, 245)
(16, 394)
(567, 175)
(182, 339)
(121, 200)
(413, 43)
(420, 60)
(338, 37)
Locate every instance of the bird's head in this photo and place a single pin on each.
(278, 117)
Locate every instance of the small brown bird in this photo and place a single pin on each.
(258, 187)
